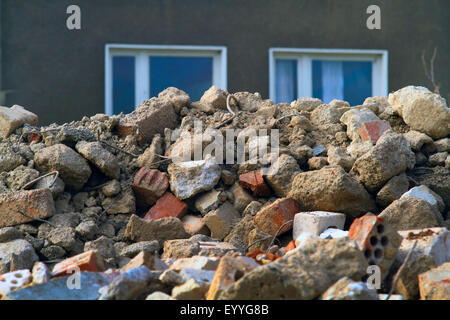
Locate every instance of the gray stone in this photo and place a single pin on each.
(72, 167)
(281, 173)
(9, 233)
(133, 249)
(147, 230)
(331, 189)
(222, 220)
(100, 157)
(16, 255)
(411, 213)
(392, 190)
(391, 156)
(87, 229)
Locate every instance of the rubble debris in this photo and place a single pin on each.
(255, 182)
(14, 117)
(431, 250)
(411, 213)
(422, 110)
(331, 189)
(72, 167)
(221, 221)
(302, 274)
(126, 204)
(161, 229)
(391, 156)
(16, 255)
(346, 289)
(434, 284)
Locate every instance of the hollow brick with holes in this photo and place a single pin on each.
(377, 240)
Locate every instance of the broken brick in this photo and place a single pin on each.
(270, 218)
(373, 130)
(36, 203)
(87, 261)
(377, 240)
(149, 185)
(167, 206)
(254, 181)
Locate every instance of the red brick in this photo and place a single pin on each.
(373, 130)
(269, 219)
(290, 246)
(87, 261)
(254, 181)
(149, 185)
(37, 203)
(377, 240)
(167, 206)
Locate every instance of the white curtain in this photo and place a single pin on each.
(286, 81)
(332, 80)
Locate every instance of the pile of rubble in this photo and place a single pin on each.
(347, 202)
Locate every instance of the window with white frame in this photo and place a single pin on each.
(134, 73)
(327, 74)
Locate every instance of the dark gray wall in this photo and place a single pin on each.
(59, 74)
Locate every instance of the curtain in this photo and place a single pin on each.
(332, 80)
(286, 80)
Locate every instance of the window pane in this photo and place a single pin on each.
(190, 74)
(286, 80)
(358, 81)
(123, 84)
(345, 80)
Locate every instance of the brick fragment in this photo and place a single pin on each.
(166, 206)
(270, 218)
(87, 261)
(254, 181)
(373, 130)
(36, 203)
(149, 185)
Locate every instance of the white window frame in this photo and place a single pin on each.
(142, 67)
(304, 57)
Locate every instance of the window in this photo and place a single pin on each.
(327, 74)
(134, 73)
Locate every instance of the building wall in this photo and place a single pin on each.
(59, 74)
